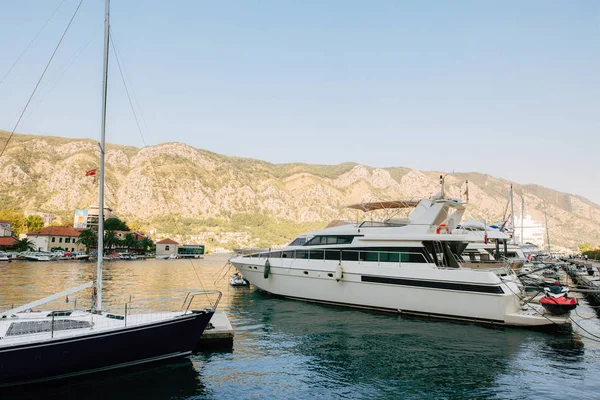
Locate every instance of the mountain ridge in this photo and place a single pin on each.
(174, 179)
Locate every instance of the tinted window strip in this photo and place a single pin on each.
(465, 287)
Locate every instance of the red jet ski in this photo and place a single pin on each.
(556, 300)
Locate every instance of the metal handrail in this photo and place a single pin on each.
(189, 298)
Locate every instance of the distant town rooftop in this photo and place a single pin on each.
(167, 241)
(8, 241)
(57, 231)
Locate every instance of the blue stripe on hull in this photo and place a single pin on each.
(101, 351)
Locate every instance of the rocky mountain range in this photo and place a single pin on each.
(177, 190)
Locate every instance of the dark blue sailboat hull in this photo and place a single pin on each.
(62, 358)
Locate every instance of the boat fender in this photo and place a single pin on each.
(339, 272)
(267, 269)
(442, 228)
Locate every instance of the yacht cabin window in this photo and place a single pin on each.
(329, 240)
(299, 241)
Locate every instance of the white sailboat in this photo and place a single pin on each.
(43, 345)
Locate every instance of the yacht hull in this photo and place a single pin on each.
(91, 353)
(441, 293)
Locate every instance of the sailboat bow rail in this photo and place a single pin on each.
(189, 298)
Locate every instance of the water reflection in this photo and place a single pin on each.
(292, 349)
(335, 347)
(175, 379)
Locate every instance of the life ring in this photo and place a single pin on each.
(443, 227)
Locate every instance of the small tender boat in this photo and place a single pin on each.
(81, 256)
(237, 280)
(37, 256)
(556, 300)
(4, 256)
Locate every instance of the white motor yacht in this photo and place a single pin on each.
(411, 265)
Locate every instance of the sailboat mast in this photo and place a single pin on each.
(102, 151)
(547, 231)
(512, 214)
(522, 217)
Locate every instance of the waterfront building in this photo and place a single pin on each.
(533, 232)
(88, 218)
(56, 237)
(121, 235)
(191, 251)
(167, 247)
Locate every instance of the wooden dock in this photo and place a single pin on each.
(587, 284)
(218, 335)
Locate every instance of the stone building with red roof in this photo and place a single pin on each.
(166, 248)
(56, 237)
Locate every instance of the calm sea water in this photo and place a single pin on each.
(292, 350)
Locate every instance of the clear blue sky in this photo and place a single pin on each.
(509, 88)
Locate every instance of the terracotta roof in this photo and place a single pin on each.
(8, 241)
(5, 221)
(57, 231)
(167, 241)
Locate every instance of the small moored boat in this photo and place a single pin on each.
(556, 300)
(238, 280)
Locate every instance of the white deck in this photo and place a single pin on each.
(71, 326)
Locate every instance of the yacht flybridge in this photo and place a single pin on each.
(409, 265)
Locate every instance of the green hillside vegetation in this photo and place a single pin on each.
(269, 231)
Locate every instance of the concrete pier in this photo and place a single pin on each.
(218, 335)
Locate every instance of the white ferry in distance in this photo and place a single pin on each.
(411, 265)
